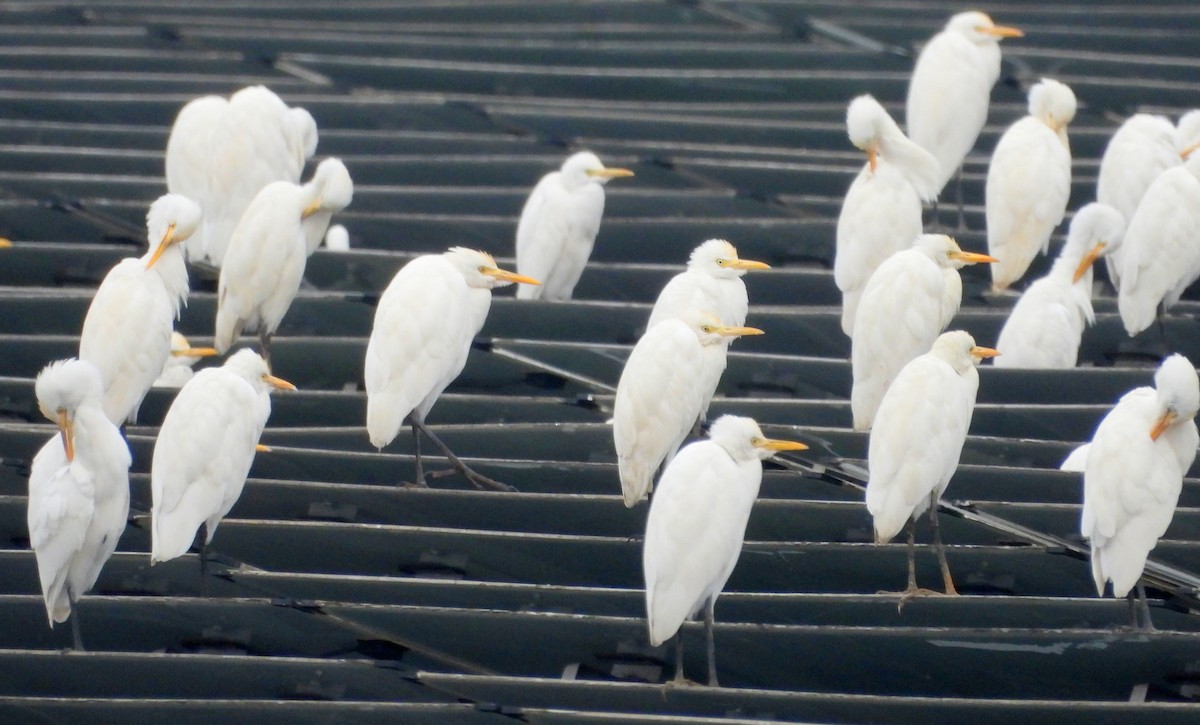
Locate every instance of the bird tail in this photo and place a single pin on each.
(227, 330)
(384, 418)
(635, 480)
(169, 539)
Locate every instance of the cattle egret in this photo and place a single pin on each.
(907, 302)
(332, 177)
(881, 213)
(424, 325)
(559, 224)
(127, 331)
(696, 524)
(204, 451)
(669, 378)
(177, 370)
(1133, 476)
(1046, 325)
(78, 488)
(1029, 182)
(711, 282)
(917, 440)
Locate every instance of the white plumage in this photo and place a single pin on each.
(1161, 255)
(951, 86)
(127, 331)
(337, 238)
(559, 223)
(177, 370)
(711, 282)
(907, 302)
(1029, 182)
(1046, 325)
(336, 191)
(78, 488)
(205, 449)
(1134, 473)
(268, 251)
(668, 380)
(696, 524)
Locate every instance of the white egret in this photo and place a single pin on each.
(1029, 182)
(711, 282)
(1142, 148)
(951, 87)
(127, 331)
(177, 370)
(224, 154)
(268, 251)
(696, 524)
(917, 440)
(1161, 256)
(670, 376)
(1133, 476)
(1046, 325)
(424, 324)
(78, 488)
(907, 302)
(881, 213)
(337, 192)
(204, 451)
(559, 224)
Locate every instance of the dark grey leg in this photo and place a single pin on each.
(420, 482)
(962, 216)
(679, 679)
(1146, 624)
(912, 557)
(264, 341)
(76, 637)
(478, 480)
(712, 648)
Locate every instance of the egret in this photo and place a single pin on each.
(78, 488)
(333, 178)
(917, 440)
(1142, 148)
(268, 251)
(1133, 476)
(559, 224)
(696, 524)
(667, 381)
(1046, 325)
(881, 213)
(951, 86)
(1029, 182)
(907, 302)
(204, 451)
(127, 330)
(424, 324)
(177, 370)
(1161, 256)
(224, 152)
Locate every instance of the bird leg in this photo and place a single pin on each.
(420, 482)
(941, 549)
(478, 480)
(1144, 607)
(679, 678)
(264, 341)
(203, 536)
(76, 637)
(712, 649)
(912, 590)
(962, 218)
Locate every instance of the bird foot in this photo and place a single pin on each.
(680, 681)
(413, 484)
(912, 593)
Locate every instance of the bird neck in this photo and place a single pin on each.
(172, 270)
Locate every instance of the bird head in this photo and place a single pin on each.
(584, 167)
(979, 28)
(1052, 103)
(1097, 230)
(480, 271)
(300, 131)
(251, 367)
(958, 349)
(329, 190)
(1187, 133)
(944, 251)
(1178, 392)
(172, 219)
(744, 440)
(711, 330)
(865, 124)
(718, 258)
(62, 388)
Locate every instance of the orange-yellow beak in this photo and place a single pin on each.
(1088, 260)
(1163, 423)
(311, 209)
(505, 276)
(748, 264)
(67, 429)
(167, 240)
(982, 352)
(1001, 31)
(873, 156)
(609, 173)
(195, 352)
(261, 448)
(5, 243)
(775, 444)
(278, 383)
(973, 258)
(1188, 151)
(736, 331)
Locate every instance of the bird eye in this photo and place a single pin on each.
(482, 268)
(722, 262)
(706, 328)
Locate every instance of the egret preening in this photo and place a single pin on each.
(559, 224)
(950, 89)
(204, 451)
(78, 488)
(1046, 325)
(696, 524)
(670, 376)
(222, 153)
(881, 213)
(127, 331)
(1161, 256)
(1142, 148)
(1029, 182)
(917, 440)
(424, 325)
(177, 370)
(336, 190)
(268, 251)
(1133, 476)
(907, 302)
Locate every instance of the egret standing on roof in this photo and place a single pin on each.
(1046, 325)
(268, 251)
(881, 213)
(78, 489)
(204, 452)
(1141, 149)
(424, 325)
(670, 376)
(1133, 475)
(1029, 182)
(950, 89)
(917, 440)
(559, 224)
(907, 302)
(695, 527)
(127, 331)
